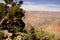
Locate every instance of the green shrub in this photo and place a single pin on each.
(44, 35)
(38, 35)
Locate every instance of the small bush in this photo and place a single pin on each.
(38, 35)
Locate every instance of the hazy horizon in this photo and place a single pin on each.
(42, 5)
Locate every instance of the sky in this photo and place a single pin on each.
(41, 5)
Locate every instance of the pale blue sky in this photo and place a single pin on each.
(45, 1)
(41, 5)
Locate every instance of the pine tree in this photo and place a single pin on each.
(11, 16)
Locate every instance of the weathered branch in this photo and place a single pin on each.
(6, 17)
